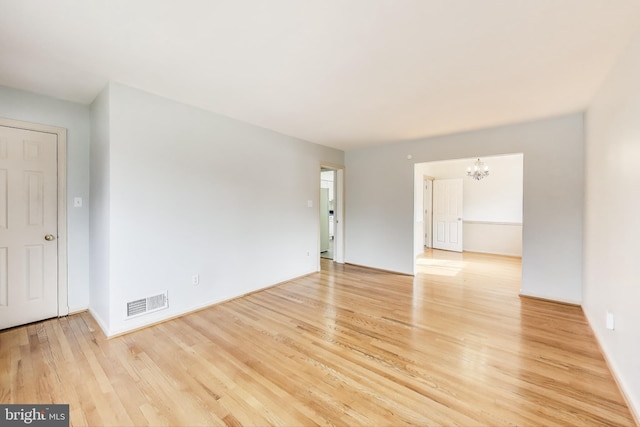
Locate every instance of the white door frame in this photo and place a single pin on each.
(427, 219)
(338, 218)
(61, 133)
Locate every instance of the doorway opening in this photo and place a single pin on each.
(327, 212)
(331, 205)
(455, 214)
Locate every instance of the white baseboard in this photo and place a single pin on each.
(99, 321)
(549, 298)
(634, 407)
(76, 310)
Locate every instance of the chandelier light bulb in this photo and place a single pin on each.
(480, 170)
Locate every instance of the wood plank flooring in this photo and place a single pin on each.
(454, 345)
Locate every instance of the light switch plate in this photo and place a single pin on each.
(77, 202)
(611, 321)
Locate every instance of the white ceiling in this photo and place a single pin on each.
(342, 73)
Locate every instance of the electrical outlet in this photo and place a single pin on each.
(195, 279)
(308, 253)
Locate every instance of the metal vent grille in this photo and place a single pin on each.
(147, 305)
(156, 302)
(137, 307)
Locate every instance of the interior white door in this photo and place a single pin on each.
(447, 214)
(28, 226)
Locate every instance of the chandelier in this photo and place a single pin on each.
(478, 171)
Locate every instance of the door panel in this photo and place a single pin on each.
(28, 212)
(447, 214)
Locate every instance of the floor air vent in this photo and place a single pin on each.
(147, 305)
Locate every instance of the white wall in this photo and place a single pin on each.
(100, 213)
(492, 209)
(612, 224)
(380, 199)
(493, 238)
(192, 192)
(28, 107)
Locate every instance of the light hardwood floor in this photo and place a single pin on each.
(347, 346)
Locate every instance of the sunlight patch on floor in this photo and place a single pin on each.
(439, 267)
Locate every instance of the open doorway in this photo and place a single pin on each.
(489, 219)
(327, 212)
(331, 214)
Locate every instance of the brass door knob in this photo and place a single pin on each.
(49, 237)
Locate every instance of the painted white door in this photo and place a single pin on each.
(447, 214)
(28, 226)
